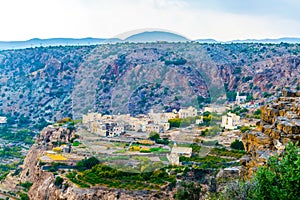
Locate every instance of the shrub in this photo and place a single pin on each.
(238, 145)
(87, 163)
(280, 179)
(58, 181)
(245, 128)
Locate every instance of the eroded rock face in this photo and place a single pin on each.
(280, 124)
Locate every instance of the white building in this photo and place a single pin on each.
(230, 121)
(239, 99)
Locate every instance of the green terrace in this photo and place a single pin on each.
(103, 175)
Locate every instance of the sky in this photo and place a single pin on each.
(222, 20)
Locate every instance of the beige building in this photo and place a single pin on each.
(215, 108)
(99, 129)
(91, 117)
(173, 159)
(187, 112)
(182, 151)
(230, 121)
(153, 128)
(161, 117)
(177, 152)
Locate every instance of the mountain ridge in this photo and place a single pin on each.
(141, 37)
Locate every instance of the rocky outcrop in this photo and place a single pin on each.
(54, 134)
(280, 124)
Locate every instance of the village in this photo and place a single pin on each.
(154, 137)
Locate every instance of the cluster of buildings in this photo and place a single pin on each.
(115, 125)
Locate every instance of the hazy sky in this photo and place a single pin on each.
(195, 19)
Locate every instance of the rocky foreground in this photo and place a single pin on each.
(44, 181)
(280, 124)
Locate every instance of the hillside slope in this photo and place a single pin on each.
(56, 82)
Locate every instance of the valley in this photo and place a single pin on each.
(131, 120)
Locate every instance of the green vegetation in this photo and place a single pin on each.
(238, 110)
(237, 145)
(210, 119)
(228, 153)
(23, 135)
(202, 101)
(195, 147)
(182, 122)
(163, 158)
(26, 185)
(188, 191)
(76, 144)
(245, 128)
(104, 175)
(210, 142)
(279, 179)
(41, 123)
(207, 161)
(58, 181)
(24, 196)
(155, 137)
(54, 166)
(257, 114)
(13, 152)
(87, 163)
(230, 95)
(5, 169)
(212, 131)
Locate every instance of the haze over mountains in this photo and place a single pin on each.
(145, 36)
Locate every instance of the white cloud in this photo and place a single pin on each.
(100, 18)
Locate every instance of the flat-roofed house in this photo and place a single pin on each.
(187, 112)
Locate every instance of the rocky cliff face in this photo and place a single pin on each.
(280, 124)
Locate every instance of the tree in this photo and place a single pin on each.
(237, 144)
(154, 136)
(87, 163)
(175, 122)
(58, 181)
(280, 179)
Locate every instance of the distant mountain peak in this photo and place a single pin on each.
(156, 36)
